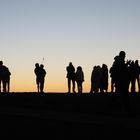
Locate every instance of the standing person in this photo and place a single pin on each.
(6, 79)
(122, 73)
(79, 79)
(134, 69)
(112, 79)
(71, 77)
(113, 74)
(1, 74)
(95, 79)
(42, 78)
(37, 73)
(132, 73)
(122, 79)
(137, 68)
(104, 78)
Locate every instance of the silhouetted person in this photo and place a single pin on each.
(136, 74)
(79, 79)
(112, 76)
(132, 72)
(71, 77)
(37, 73)
(122, 78)
(1, 75)
(4, 78)
(104, 78)
(42, 77)
(137, 69)
(95, 79)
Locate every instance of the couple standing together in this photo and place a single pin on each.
(73, 77)
(40, 76)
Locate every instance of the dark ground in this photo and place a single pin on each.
(62, 116)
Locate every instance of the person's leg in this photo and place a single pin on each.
(81, 88)
(37, 83)
(73, 82)
(69, 85)
(91, 90)
(133, 85)
(4, 85)
(0, 85)
(78, 87)
(42, 85)
(112, 85)
(138, 83)
(8, 85)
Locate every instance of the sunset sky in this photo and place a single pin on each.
(85, 32)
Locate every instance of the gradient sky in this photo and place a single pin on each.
(85, 32)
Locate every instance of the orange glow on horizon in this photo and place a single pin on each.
(50, 87)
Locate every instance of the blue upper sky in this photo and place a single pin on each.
(86, 32)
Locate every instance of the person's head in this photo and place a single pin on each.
(36, 64)
(79, 68)
(94, 67)
(122, 54)
(137, 62)
(104, 66)
(41, 66)
(116, 57)
(70, 63)
(1, 63)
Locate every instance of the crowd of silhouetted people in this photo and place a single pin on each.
(123, 74)
(99, 79)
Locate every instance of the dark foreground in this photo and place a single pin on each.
(62, 116)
